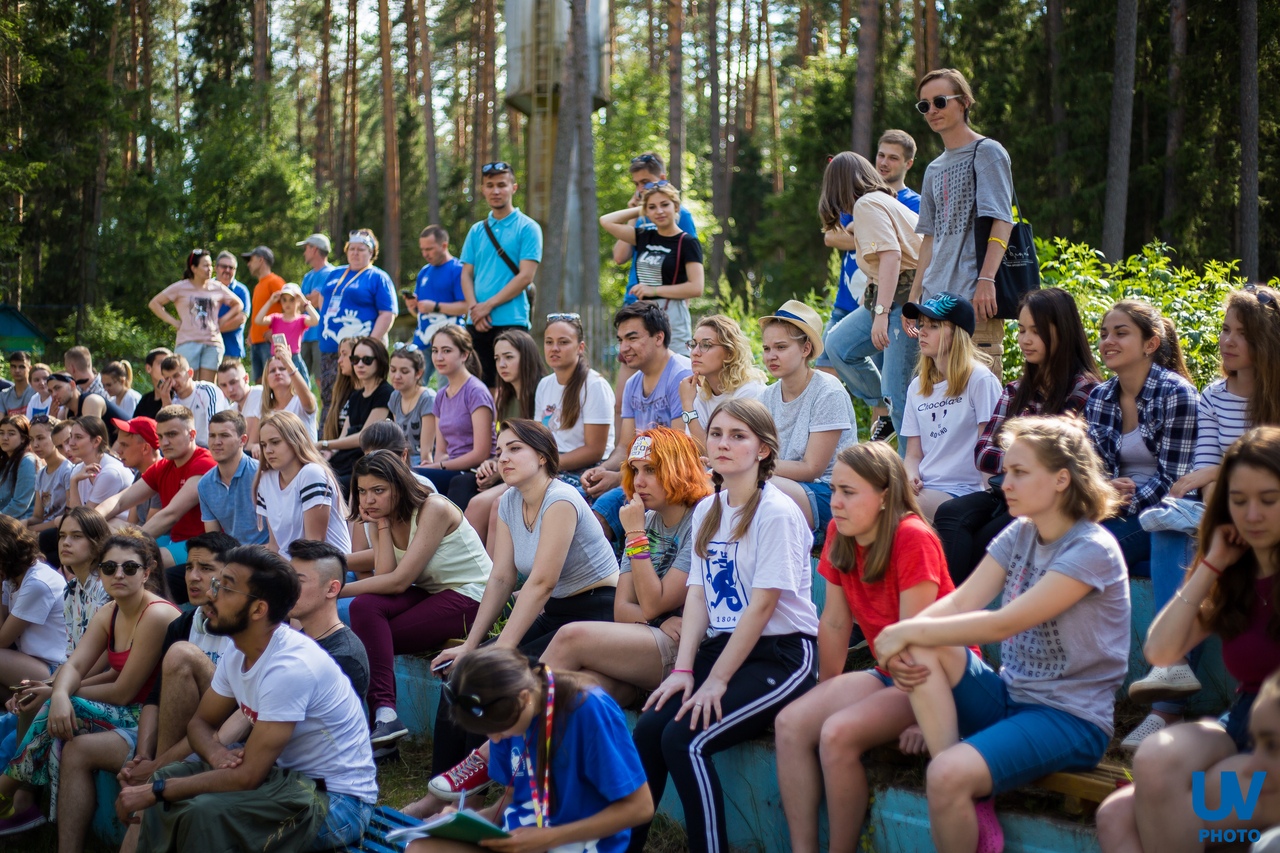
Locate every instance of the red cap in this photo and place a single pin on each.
(143, 427)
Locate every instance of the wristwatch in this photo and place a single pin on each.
(688, 416)
(157, 789)
(879, 310)
(324, 444)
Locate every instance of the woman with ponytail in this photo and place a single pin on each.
(574, 781)
(464, 409)
(1143, 420)
(117, 381)
(747, 643)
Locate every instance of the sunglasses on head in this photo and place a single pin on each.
(130, 568)
(646, 159)
(469, 702)
(363, 359)
(1264, 298)
(495, 168)
(938, 102)
(653, 185)
(552, 318)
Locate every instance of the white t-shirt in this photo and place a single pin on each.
(252, 402)
(214, 646)
(823, 406)
(596, 401)
(704, 406)
(949, 428)
(283, 508)
(295, 681)
(129, 403)
(39, 406)
(206, 400)
(294, 405)
(39, 601)
(113, 478)
(773, 555)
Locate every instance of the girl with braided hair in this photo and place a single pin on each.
(747, 644)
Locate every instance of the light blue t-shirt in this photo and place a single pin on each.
(594, 763)
(232, 506)
(662, 406)
(684, 222)
(352, 303)
(521, 239)
(233, 341)
(438, 284)
(314, 280)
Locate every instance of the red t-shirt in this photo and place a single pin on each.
(165, 479)
(916, 558)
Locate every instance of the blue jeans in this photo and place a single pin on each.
(260, 354)
(1135, 544)
(852, 353)
(1171, 553)
(861, 374)
(345, 823)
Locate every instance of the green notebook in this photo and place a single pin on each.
(465, 825)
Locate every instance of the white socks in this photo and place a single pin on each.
(384, 715)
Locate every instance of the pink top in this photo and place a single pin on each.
(197, 309)
(291, 329)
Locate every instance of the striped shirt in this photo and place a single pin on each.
(989, 454)
(1167, 412)
(1224, 417)
(284, 508)
(206, 400)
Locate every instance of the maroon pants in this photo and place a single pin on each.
(413, 621)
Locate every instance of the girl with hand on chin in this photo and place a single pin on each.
(1233, 590)
(882, 563)
(573, 779)
(464, 409)
(724, 368)
(747, 640)
(1063, 626)
(663, 479)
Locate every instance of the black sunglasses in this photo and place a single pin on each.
(939, 102)
(363, 359)
(647, 159)
(469, 702)
(653, 185)
(130, 568)
(560, 316)
(495, 168)
(39, 419)
(1264, 298)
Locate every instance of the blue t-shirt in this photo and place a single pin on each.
(684, 222)
(233, 341)
(439, 284)
(594, 764)
(311, 282)
(849, 261)
(662, 406)
(233, 506)
(352, 303)
(521, 238)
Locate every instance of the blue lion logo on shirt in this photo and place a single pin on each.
(721, 577)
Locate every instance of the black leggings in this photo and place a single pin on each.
(451, 743)
(777, 671)
(966, 525)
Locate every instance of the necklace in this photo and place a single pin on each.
(524, 510)
(332, 628)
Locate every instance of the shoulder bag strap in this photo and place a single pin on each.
(511, 265)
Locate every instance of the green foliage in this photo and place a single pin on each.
(111, 334)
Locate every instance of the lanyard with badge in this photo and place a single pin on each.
(340, 288)
(542, 800)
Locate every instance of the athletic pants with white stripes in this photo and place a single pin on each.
(777, 670)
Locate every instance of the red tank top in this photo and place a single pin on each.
(116, 660)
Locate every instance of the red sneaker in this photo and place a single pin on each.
(471, 776)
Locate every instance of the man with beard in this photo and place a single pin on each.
(308, 740)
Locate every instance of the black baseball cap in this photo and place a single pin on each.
(944, 306)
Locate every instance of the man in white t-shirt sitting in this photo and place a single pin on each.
(308, 737)
(204, 399)
(233, 382)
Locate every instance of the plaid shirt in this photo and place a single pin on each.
(989, 455)
(1168, 408)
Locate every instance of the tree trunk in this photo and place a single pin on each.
(551, 294)
(177, 72)
(586, 163)
(261, 43)
(846, 9)
(324, 123)
(652, 30)
(775, 119)
(491, 78)
(429, 117)
(92, 224)
(1176, 118)
(1117, 198)
(919, 52)
(1249, 139)
(391, 156)
(719, 190)
(410, 18)
(350, 116)
(675, 95)
(932, 35)
(299, 97)
(864, 89)
(130, 152)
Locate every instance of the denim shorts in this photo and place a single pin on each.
(820, 506)
(885, 678)
(1020, 742)
(346, 822)
(201, 356)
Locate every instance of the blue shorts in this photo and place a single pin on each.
(885, 678)
(608, 505)
(820, 507)
(177, 550)
(201, 356)
(1020, 742)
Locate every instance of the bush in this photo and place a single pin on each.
(110, 335)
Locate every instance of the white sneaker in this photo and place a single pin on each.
(1152, 724)
(1165, 683)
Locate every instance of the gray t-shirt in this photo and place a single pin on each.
(669, 547)
(52, 487)
(822, 406)
(411, 424)
(1076, 661)
(590, 559)
(947, 212)
(348, 652)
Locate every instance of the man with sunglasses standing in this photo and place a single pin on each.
(499, 258)
(972, 178)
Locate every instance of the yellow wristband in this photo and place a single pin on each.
(1003, 244)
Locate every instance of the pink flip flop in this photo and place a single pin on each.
(990, 834)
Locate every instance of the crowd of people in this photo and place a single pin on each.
(205, 586)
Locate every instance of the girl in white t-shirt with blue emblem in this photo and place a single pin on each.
(559, 744)
(747, 645)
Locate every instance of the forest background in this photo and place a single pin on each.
(134, 130)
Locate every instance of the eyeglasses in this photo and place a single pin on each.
(552, 318)
(469, 702)
(1264, 298)
(129, 568)
(702, 346)
(939, 102)
(495, 168)
(645, 159)
(216, 587)
(363, 359)
(653, 185)
(230, 267)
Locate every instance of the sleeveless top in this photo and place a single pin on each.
(460, 562)
(117, 660)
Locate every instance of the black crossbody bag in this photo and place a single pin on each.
(1019, 270)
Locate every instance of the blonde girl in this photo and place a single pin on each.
(724, 367)
(117, 381)
(298, 496)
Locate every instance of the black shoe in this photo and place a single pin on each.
(882, 429)
(387, 733)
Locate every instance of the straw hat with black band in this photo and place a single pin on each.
(803, 318)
